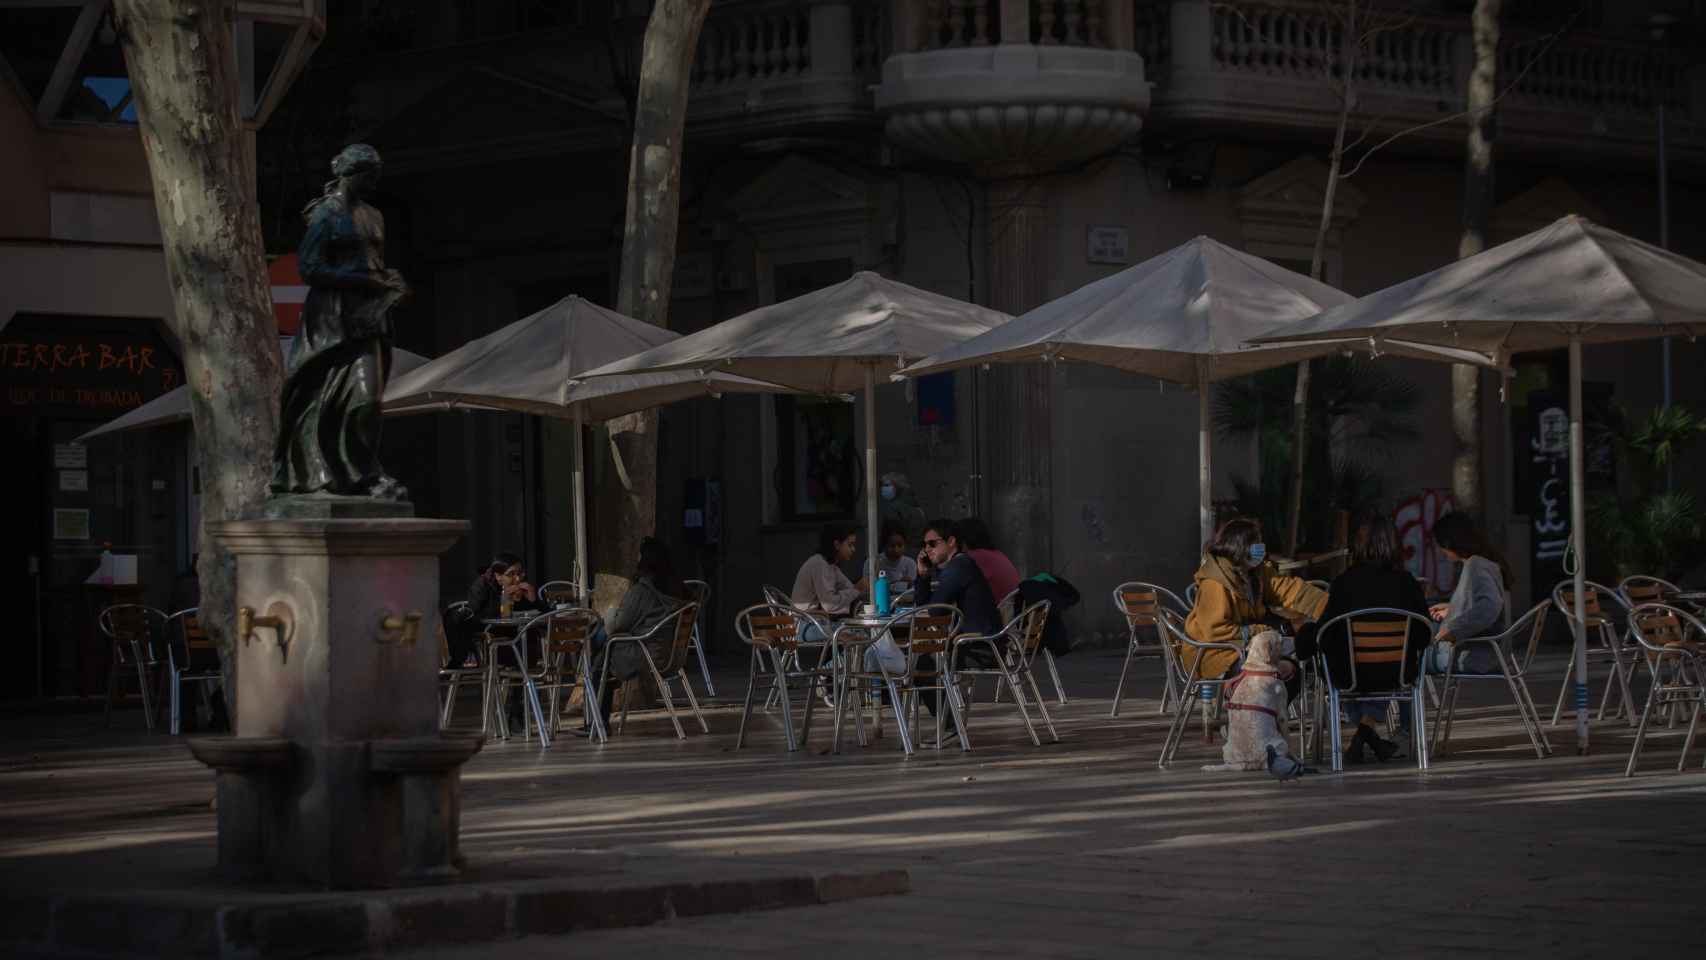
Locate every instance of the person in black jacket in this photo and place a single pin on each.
(1375, 578)
(503, 576)
(948, 575)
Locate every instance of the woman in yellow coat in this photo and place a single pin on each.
(1236, 586)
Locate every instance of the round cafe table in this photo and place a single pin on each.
(852, 636)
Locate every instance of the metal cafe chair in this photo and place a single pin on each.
(1012, 650)
(677, 628)
(702, 596)
(555, 593)
(1512, 669)
(812, 640)
(132, 630)
(1009, 609)
(1611, 646)
(1376, 636)
(191, 657)
(1140, 603)
(929, 631)
(1674, 642)
(1194, 688)
(773, 632)
(567, 663)
(450, 675)
(523, 671)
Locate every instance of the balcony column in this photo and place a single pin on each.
(1192, 35)
(1018, 428)
(1119, 20)
(832, 38)
(1015, 26)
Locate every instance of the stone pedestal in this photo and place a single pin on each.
(337, 774)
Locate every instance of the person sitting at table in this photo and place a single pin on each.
(1375, 578)
(1476, 604)
(650, 598)
(1236, 586)
(1002, 575)
(901, 569)
(820, 586)
(503, 577)
(947, 574)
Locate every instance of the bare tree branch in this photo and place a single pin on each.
(1545, 43)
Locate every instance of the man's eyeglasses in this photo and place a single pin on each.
(932, 544)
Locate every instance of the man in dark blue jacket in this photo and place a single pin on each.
(946, 575)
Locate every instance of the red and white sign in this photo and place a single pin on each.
(288, 293)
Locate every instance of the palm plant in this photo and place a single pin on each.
(1654, 532)
(1359, 411)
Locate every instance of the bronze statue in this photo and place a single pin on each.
(328, 435)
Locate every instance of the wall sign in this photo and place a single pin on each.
(74, 481)
(70, 524)
(1109, 245)
(70, 456)
(69, 366)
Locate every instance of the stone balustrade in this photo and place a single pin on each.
(780, 64)
(1274, 63)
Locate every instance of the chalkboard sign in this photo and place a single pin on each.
(60, 366)
(1543, 445)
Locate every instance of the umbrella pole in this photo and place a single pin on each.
(1205, 461)
(1579, 533)
(871, 545)
(580, 511)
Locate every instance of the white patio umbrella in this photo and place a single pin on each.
(831, 340)
(532, 366)
(173, 406)
(1180, 316)
(1566, 284)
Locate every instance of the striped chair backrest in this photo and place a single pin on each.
(681, 639)
(930, 632)
(776, 629)
(1590, 604)
(1638, 590)
(1031, 625)
(1379, 641)
(568, 631)
(1140, 606)
(1661, 628)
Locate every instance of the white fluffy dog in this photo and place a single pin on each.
(1255, 703)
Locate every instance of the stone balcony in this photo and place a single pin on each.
(1262, 63)
(784, 67)
(1012, 85)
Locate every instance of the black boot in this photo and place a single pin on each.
(1353, 753)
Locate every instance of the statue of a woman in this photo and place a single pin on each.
(328, 436)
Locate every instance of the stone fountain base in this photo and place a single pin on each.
(337, 774)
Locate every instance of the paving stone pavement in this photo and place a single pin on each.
(1082, 848)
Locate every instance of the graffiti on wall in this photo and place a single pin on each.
(1415, 519)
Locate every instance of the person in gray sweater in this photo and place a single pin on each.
(1477, 604)
(651, 598)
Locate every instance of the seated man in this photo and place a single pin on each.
(946, 574)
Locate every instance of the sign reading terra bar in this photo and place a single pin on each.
(67, 366)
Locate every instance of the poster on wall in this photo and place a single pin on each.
(70, 524)
(70, 456)
(74, 481)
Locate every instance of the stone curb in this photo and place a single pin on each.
(186, 925)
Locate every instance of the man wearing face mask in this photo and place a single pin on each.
(1236, 586)
(899, 508)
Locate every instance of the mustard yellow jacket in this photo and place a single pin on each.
(1226, 603)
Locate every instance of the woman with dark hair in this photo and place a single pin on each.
(1375, 578)
(648, 601)
(976, 543)
(1479, 599)
(1236, 584)
(504, 577)
(820, 586)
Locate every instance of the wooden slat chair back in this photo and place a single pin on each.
(127, 623)
(1564, 598)
(1375, 641)
(200, 647)
(558, 591)
(1032, 621)
(1141, 607)
(776, 630)
(1659, 627)
(1641, 589)
(680, 638)
(567, 634)
(931, 632)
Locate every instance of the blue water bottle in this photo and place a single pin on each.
(880, 593)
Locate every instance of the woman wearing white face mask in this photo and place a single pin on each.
(1236, 585)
